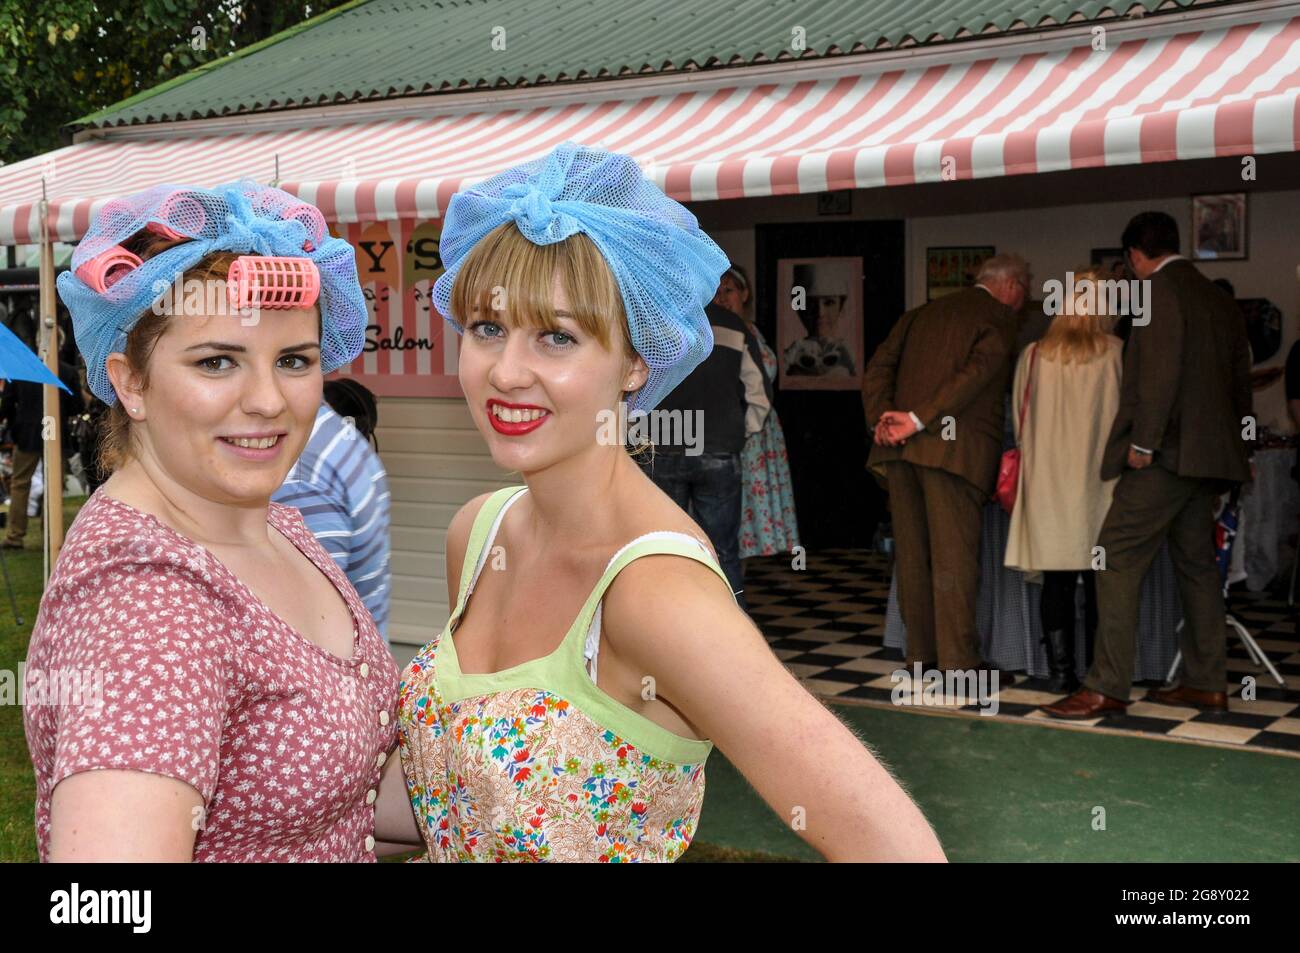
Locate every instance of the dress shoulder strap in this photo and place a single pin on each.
(583, 640)
(484, 530)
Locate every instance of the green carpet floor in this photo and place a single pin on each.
(1014, 792)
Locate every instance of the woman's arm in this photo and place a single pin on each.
(674, 618)
(394, 817)
(132, 816)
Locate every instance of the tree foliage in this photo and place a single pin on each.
(61, 60)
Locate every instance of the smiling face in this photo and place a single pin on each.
(543, 353)
(227, 405)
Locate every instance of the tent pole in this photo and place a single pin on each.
(52, 424)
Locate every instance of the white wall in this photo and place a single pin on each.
(436, 461)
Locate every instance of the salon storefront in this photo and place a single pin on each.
(874, 180)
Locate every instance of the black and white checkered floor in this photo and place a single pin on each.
(826, 622)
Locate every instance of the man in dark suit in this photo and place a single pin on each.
(934, 394)
(1177, 443)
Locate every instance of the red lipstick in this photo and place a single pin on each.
(532, 417)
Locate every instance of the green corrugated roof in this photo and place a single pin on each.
(384, 49)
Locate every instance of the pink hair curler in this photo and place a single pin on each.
(179, 208)
(108, 267)
(276, 283)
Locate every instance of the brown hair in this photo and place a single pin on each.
(116, 445)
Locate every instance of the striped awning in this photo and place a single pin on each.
(1219, 92)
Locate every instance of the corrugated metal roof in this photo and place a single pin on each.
(384, 49)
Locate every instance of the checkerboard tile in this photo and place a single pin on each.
(827, 624)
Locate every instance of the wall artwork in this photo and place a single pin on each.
(952, 268)
(1219, 226)
(819, 323)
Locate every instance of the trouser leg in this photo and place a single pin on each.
(1200, 588)
(954, 509)
(20, 485)
(912, 560)
(1145, 503)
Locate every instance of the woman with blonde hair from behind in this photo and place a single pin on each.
(1066, 393)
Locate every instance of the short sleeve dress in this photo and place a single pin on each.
(536, 762)
(167, 663)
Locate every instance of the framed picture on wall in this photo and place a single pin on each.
(1219, 226)
(819, 323)
(952, 268)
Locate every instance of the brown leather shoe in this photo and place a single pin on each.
(1085, 703)
(1189, 698)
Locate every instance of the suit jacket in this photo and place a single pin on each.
(1186, 384)
(949, 358)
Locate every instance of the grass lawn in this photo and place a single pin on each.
(995, 791)
(17, 784)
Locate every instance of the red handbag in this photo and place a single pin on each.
(1009, 470)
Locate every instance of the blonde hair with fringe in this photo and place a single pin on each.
(511, 281)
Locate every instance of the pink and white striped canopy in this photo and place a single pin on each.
(1226, 91)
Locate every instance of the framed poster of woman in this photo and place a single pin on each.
(819, 323)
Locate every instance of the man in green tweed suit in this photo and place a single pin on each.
(1179, 440)
(933, 393)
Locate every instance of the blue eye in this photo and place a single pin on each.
(480, 329)
(563, 339)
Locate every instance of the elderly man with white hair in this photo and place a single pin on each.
(933, 394)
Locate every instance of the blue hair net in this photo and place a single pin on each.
(666, 267)
(242, 217)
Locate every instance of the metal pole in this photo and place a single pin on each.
(52, 424)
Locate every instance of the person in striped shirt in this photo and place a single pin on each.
(340, 487)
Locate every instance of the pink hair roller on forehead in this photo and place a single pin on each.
(276, 283)
(108, 267)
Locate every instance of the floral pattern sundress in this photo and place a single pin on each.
(535, 762)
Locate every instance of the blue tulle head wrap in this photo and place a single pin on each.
(666, 267)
